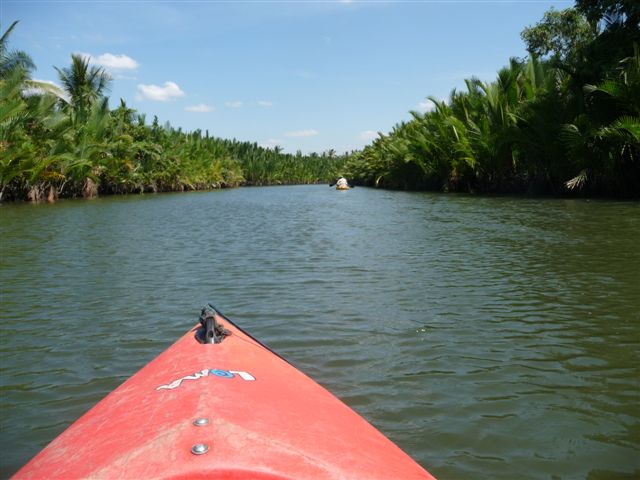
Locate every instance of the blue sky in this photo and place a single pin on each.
(309, 75)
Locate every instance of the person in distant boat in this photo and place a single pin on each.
(342, 183)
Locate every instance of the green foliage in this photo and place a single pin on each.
(69, 143)
(84, 85)
(11, 60)
(560, 34)
(565, 120)
(627, 11)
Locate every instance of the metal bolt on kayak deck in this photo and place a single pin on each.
(200, 449)
(201, 422)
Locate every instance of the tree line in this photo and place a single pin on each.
(565, 119)
(66, 142)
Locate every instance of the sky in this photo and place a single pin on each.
(302, 75)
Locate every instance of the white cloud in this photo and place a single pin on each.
(201, 107)
(303, 133)
(426, 106)
(161, 94)
(369, 135)
(112, 62)
(265, 103)
(116, 62)
(234, 104)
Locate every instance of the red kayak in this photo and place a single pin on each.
(219, 404)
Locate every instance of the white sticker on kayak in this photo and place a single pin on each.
(207, 372)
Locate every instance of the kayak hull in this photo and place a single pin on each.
(254, 414)
(340, 187)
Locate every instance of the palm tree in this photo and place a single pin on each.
(606, 142)
(10, 60)
(25, 107)
(82, 153)
(84, 85)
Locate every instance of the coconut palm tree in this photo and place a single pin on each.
(84, 85)
(10, 60)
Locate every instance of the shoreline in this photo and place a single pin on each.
(149, 190)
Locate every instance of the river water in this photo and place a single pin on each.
(488, 337)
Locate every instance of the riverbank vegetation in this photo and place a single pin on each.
(67, 142)
(565, 119)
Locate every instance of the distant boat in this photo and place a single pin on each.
(341, 184)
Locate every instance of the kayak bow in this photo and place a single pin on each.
(219, 404)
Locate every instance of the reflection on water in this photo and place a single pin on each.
(488, 337)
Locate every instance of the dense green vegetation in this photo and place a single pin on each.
(67, 142)
(565, 119)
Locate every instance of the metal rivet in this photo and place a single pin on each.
(200, 449)
(201, 422)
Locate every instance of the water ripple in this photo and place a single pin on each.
(488, 337)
